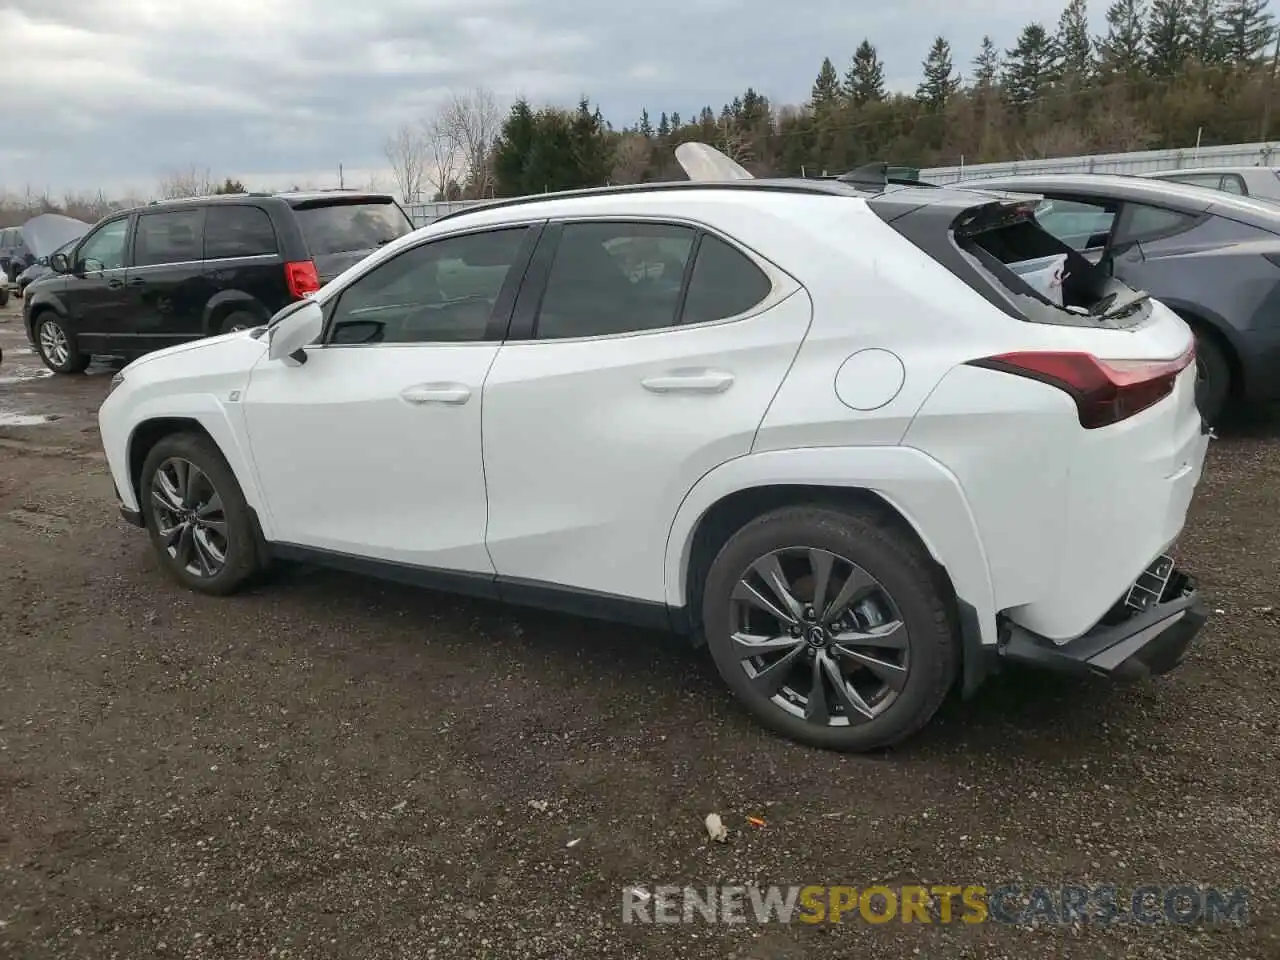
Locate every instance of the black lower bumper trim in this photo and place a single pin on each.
(1146, 644)
(132, 516)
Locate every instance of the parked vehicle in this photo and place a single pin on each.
(1262, 183)
(828, 432)
(45, 235)
(179, 270)
(41, 269)
(1211, 257)
(14, 255)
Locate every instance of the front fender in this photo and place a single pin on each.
(922, 490)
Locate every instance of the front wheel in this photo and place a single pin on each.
(1213, 378)
(197, 515)
(57, 347)
(831, 628)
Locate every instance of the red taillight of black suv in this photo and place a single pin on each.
(301, 278)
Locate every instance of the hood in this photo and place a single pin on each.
(49, 231)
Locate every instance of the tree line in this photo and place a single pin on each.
(1165, 73)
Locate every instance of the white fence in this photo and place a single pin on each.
(1229, 155)
(424, 213)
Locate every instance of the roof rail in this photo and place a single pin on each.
(780, 185)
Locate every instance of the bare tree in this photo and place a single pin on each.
(444, 152)
(406, 151)
(188, 182)
(475, 120)
(732, 141)
(631, 159)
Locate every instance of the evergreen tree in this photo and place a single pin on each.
(1207, 41)
(986, 66)
(1169, 28)
(645, 129)
(664, 126)
(515, 145)
(864, 81)
(676, 122)
(1029, 67)
(1247, 30)
(940, 81)
(826, 89)
(1075, 46)
(1124, 46)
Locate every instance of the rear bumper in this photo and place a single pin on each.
(1146, 643)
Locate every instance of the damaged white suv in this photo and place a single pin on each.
(822, 426)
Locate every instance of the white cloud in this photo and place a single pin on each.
(111, 93)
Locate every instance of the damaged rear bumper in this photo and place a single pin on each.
(1129, 643)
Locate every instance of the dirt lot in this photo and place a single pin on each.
(331, 767)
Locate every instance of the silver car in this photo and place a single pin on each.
(1262, 183)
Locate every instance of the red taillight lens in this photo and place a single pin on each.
(301, 278)
(1105, 391)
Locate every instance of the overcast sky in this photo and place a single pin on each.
(114, 93)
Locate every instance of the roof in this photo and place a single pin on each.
(1179, 171)
(908, 196)
(292, 197)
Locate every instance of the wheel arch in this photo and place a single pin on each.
(226, 302)
(909, 490)
(1203, 321)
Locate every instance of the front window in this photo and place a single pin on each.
(104, 248)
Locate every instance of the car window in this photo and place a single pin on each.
(172, 237)
(104, 248)
(610, 278)
(1211, 180)
(1234, 183)
(1078, 224)
(439, 292)
(724, 283)
(348, 227)
(238, 231)
(1152, 223)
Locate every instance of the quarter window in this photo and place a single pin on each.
(238, 231)
(1080, 225)
(611, 278)
(724, 283)
(440, 292)
(172, 237)
(1153, 223)
(104, 249)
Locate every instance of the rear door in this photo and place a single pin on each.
(168, 290)
(341, 231)
(642, 355)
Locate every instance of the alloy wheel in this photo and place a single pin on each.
(53, 342)
(819, 636)
(190, 518)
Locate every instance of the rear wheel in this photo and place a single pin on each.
(56, 346)
(239, 320)
(830, 627)
(1213, 377)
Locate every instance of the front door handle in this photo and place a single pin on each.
(451, 393)
(137, 282)
(114, 284)
(690, 381)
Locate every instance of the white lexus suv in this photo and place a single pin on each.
(829, 429)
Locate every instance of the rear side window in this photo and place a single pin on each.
(612, 278)
(1152, 223)
(725, 283)
(349, 227)
(1211, 180)
(238, 231)
(172, 237)
(1080, 225)
(1234, 183)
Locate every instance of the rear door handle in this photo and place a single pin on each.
(690, 381)
(137, 282)
(451, 393)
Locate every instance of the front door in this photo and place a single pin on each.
(655, 353)
(372, 448)
(95, 294)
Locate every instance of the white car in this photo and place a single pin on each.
(822, 428)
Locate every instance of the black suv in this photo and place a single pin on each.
(178, 270)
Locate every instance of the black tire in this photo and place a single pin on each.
(1213, 377)
(239, 320)
(906, 576)
(44, 323)
(4, 295)
(238, 543)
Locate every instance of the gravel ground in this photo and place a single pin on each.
(333, 767)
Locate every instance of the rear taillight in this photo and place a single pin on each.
(301, 278)
(1105, 391)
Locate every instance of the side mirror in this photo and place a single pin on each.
(59, 263)
(295, 327)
